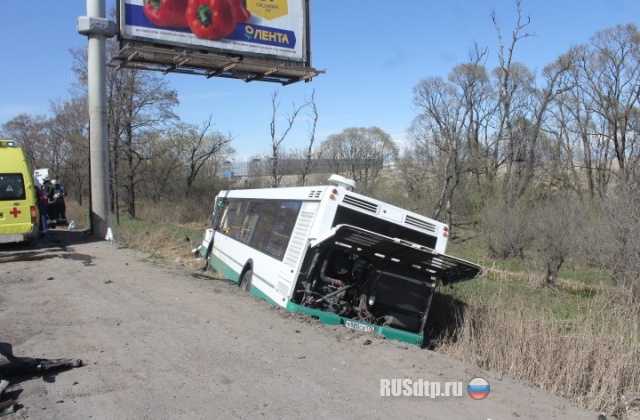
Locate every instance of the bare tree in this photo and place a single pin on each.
(594, 115)
(277, 139)
(163, 171)
(611, 80)
(454, 125)
(523, 108)
(512, 78)
(310, 159)
(441, 122)
(610, 239)
(138, 101)
(418, 170)
(32, 134)
(506, 229)
(144, 103)
(634, 147)
(567, 122)
(478, 100)
(201, 147)
(360, 154)
(69, 132)
(554, 220)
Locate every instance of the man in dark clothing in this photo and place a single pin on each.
(42, 209)
(57, 206)
(47, 191)
(47, 186)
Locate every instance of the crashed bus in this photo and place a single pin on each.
(334, 254)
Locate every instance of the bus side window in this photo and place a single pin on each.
(249, 225)
(230, 212)
(226, 214)
(282, 228)
(267, 213)
(235, 223)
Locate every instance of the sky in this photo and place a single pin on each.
(373, 53)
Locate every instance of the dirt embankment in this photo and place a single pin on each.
(158, 341)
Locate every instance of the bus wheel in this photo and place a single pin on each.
(245, 283)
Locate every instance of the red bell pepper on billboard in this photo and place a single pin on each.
(241, 14)
(273, 28)
(211, 19)
(167, 13)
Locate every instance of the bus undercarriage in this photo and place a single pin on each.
(375, 280)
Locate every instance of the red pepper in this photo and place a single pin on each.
(167, 13)
(211, 19)
(239, 11)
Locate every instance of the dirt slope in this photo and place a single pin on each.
(158, 342)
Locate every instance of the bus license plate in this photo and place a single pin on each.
(358, 326)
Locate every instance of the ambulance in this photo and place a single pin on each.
(18, 198)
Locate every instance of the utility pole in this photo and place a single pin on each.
(96, 27)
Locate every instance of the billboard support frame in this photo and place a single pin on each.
(171, 59)
(142, 51)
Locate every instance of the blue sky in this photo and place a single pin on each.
(374, 53)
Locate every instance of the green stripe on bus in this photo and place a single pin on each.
(230, 274)
(257, 292)
(224, 269)
(333, 319)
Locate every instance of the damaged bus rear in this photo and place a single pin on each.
(335, 255)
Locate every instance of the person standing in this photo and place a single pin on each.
(46, 192)
(57, 206)
(47, 186)
(42, 209)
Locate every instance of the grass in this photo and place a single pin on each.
(77, 213)
(587, 352)
(161, 240)
(578, 340)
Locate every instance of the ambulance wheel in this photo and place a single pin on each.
(32, 240)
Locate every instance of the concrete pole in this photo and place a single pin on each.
(98, 140)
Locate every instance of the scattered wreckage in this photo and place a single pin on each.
(16, 367)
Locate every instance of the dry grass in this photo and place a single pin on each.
(77, 213)
(593, 358)
(160, 244)
(196, 210)
(166, 232)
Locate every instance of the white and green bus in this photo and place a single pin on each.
(333, 254)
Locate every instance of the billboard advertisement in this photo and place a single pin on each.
(271, 28)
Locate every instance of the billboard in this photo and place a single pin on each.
(275, 29)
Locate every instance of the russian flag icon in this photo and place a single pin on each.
(478, 388)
